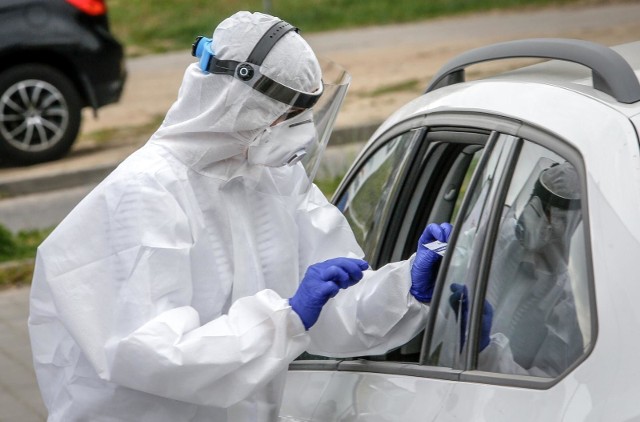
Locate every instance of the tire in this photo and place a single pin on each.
(39, 114)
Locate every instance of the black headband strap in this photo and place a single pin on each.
(249, 73)
(263, 84)
(268, 40)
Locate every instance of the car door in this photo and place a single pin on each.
(430, 170)
(534, 303)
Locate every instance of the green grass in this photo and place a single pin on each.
(21, 245)
(328, 186)
(16, 255)
(164, 25)
(16, 273)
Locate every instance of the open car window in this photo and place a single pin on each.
(404, 183)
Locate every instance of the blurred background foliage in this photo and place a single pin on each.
(165, 25)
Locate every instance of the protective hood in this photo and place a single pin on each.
(217, 116)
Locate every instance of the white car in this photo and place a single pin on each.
(471, 153)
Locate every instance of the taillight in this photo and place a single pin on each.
(90, 7)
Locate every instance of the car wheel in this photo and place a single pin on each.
(39, 114)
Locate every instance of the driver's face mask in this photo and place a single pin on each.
(533, 229)
(284, 143)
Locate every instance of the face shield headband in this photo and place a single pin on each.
(248, 72)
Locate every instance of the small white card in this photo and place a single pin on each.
(437, 246)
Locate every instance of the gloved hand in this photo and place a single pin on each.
(426, 263)
(459, 301)
(321, 282)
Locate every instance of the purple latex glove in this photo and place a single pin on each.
(459, 301)
(426, 263)
(321, 282)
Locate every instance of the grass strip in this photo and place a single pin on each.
(165, 25)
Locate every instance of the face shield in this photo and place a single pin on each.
(336, 82)
(301, 135)
(552, 208)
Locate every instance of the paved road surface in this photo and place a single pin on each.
(400, 51)
(19, 396)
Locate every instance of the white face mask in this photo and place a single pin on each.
(285, 143)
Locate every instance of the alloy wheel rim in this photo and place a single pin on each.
(33, 115)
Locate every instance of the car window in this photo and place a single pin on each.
(369, 194)
(431, 191)
(537, 286)
(449, 335)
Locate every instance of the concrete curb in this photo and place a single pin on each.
(62, 180)
(50, 176)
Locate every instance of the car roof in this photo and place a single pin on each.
(553, 98)
(448, 90)
(577, 77)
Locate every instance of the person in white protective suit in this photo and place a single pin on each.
(530, 324)
(185, 283)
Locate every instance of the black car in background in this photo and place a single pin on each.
(56, 57)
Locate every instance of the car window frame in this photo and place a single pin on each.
(442, 120)
(501, 125)
(468, 373)
(527, 133)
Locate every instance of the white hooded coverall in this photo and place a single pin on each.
(163, 296)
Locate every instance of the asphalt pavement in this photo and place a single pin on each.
(41, 195)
